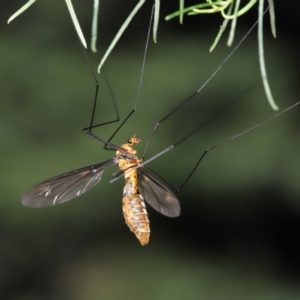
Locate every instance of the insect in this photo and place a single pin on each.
(139, 186)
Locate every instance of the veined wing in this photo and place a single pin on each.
(157, 195)
(65, 187)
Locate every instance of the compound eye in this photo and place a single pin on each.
(129, 141)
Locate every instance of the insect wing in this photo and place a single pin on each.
(157, 195)
(64, 187)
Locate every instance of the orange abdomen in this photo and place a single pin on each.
(136, 217)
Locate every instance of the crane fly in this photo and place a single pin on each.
(139, 186)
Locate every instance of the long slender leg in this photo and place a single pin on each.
(195, 93)
(88, 130)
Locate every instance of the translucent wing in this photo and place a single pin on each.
(157, 195)
(64, 187)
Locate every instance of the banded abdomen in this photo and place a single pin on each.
(134, 209)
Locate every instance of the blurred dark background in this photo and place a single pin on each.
(237, 236)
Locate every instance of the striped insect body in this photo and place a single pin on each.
(136, 217)
(134, 209)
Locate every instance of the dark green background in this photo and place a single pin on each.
(237, 236)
